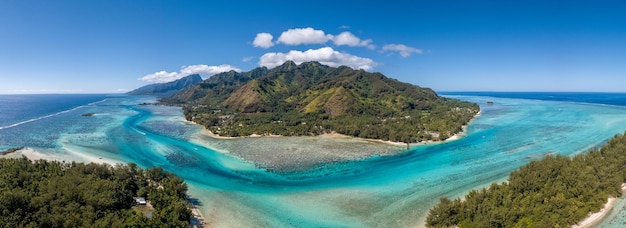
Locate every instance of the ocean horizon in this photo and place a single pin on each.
(395, 189)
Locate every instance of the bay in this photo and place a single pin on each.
(392, 190)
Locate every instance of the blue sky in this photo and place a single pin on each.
(108, 46)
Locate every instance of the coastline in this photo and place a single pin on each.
(594, 218)
(277, 153)
(336, 135)
(34, 155)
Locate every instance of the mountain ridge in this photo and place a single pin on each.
(168, 88)
(313, 99)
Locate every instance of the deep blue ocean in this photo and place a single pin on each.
(381, 191)
(15, 109)
(587, 97)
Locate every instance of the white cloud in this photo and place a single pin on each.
(344, 27)
(120, 90)
(247, 59)
(325, 55)
(263, 40)
(208, 70)
(299, 36)
(349, 39)
(403, 50)
(164, 76)
(161, 76)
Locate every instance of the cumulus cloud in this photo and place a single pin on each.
(161, 76)
(307, 35)
(349, 39)
(164, 76)
(325, 55)
(263, 40)
(247, 59)
(299, 36)
(208, 70)
(403, 50)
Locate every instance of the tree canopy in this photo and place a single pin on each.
(313, 99)
(55, 194)
(554, 191)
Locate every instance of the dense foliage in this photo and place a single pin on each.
(312, 99)
(555, 191)
(54, 194)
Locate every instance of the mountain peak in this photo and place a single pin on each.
(312, 98)
(287, 65)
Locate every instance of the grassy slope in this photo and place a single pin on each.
(344, 100)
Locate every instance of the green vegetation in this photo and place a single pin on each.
(552, 192)
(54, 194)
(313, 99)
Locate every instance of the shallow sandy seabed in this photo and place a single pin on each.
(387, 187)
(594, 218)
(298, 153)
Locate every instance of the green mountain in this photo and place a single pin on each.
(312, 99)
(167, 89)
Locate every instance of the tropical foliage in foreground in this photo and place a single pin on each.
(313, 99)
(54, 194)
(553, 192)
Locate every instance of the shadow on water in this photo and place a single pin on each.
(194, 201)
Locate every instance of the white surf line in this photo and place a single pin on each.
(97, 102)
(140, 132)
(48, 116)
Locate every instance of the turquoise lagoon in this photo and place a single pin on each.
(395, 190)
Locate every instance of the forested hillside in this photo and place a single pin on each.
(54, 194)
(552, 192)
(312, 99)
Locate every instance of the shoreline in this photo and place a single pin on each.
(34, 155)
(278, 153)
(596, 217)
(336, 135)
(197, 218)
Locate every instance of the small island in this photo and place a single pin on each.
(313, 99)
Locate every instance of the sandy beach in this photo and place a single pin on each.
(285, 154)
(456, 136)
(342, 136)
(28, 153)
(274, 152)
(594, 218)
(33, 154)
